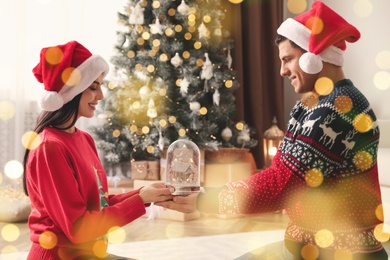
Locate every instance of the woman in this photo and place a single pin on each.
(64, 178)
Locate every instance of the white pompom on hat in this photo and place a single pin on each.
(322, 33)
(66, 71)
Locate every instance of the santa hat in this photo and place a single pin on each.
(66, 71)
(322, 33)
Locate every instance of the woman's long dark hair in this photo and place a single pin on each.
(54, 119)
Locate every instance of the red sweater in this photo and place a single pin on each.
(61, 176)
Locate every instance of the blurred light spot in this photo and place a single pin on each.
(315, 24)
(140, 41)
(382, 80)
(296, 6)
(310, 251)
(191, 17)
(324, 86)
(172, 119)
(363, 123)
(382, 60)
(314, 178)
(174, 230)
(379, 235)
(116, 133)
(31, 140)
(9, 249)
(240, 126)
(53, 55)
(199, 62)
(116, 235)
(362, 8)
(203, 111)
(150, 68)
(162, 92)
(71, 76)
(145, 130)
(324, 238)
(133, 128)
(379, 212)
(131, 54)
(197, 45)
(156, 4)
(111, 85)
(13, 169)
(188, 36)
(163, 57)
(169, 32)
(310, 100)
(236, 1)
(171, 12)
(342, 254)
(186, 54)
(228, 83)
(150, 149)
(163, 123)
(7, 110)
(343, 104)
(10, 232)
(48, 240)
(182, 132)
(99, 249)
(178, 28)
(362, 160)
(136, 105)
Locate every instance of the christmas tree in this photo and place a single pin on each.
(172, 79)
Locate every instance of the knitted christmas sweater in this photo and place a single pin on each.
(71, 208)
(324, 175)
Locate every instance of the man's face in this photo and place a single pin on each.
(289, 57)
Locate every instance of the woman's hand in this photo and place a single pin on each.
(185, 204)
(156, 192)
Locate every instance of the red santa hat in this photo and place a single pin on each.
(66, 71)
(322, 33)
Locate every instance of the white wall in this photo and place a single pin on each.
(360, 57)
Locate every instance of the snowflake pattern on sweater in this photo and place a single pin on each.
(324, 174)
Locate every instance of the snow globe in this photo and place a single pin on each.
(183, 167)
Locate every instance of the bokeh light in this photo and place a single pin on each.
(53, 55)
(382, 80)
(315, 24)
(13, 169)
(71, 76)
(296, 6)
(382, 60)
(324, 86)
(145, 129)
(310, 251)
(10, 232)
(116, 133)
(172, 119)
(31, 140)
(48, 239)
(156, 4)
(343, 104)
(182, 132)
(314, 177)
(150, 149)
(324, 238)
(99, 249)
(240, 126)
(362, 8)
(7, 110)
(363, 160)
(236, 1)
(363, 123)
(116, 235)
(310, 100)
(203, 111)
(228, 83)
(379, 212)
(379, 235)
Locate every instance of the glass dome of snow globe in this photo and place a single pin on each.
(183, 167)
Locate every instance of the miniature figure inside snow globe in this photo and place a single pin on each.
(183, 167)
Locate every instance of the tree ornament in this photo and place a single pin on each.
(184, 87)
(203, 31)
(157, 27)
(183, 8)
(229, 59)
(207, 69)
(161, 142)
(216, 97)
(244, 135)
(137, 14)
(227, 134)
(144, 92)
(176, 60)
(152, 112)
(195, 106)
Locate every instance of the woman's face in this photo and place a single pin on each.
(90, 98)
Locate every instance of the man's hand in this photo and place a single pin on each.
(185, 204)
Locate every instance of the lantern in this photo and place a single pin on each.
(271, 141)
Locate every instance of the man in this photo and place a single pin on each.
(325, 172)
